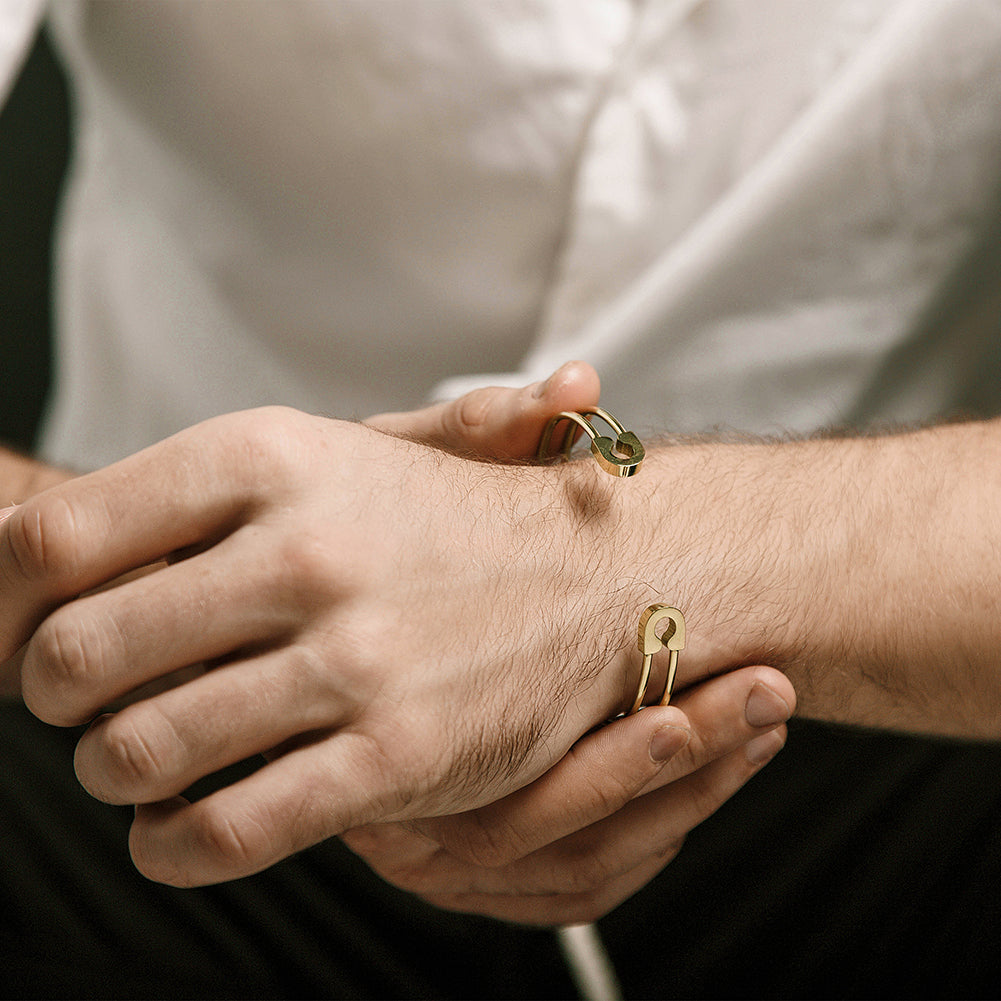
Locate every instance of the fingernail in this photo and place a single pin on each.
(762, 749)
(765, 707)
(667, 741)
(539, 389)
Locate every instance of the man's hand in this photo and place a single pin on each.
(576, 842)
(259, 692)
(603, 821)
(497, 424)
(403, 632)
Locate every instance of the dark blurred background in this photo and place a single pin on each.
(34, 142)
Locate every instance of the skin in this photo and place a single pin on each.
(575, 843)
(603, 821)
(553, 864)
(411, 634)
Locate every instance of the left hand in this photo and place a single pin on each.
(601, 823)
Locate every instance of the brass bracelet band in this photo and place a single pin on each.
(673, 638)
(623, 457)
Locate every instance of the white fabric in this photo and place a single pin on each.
(589, 963)
(329, 205)
(785, 241)
(749, 213)
(742, 213)
(18, 21)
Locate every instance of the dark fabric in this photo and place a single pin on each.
(79, 922)
(854, 865)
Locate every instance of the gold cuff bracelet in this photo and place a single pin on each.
(623, 457)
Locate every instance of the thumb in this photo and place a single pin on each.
(497, 423)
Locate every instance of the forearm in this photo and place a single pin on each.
(866, 568)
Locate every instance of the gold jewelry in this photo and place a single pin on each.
(621, 457)
(673, 638)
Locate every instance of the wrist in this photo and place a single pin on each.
(611, 544)
(834, 561)
(717, 531)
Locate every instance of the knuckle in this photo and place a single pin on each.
(236, 844)
(707, 744)
(473, 409)
(61, 665)
(484, 841)
(120, 761)
(590, 875)
(262, 440)
(337, 673)
(609, 793)
(584, 872)
(307, 567)
(307, 672)
(705, 795)
(42, 539)
(481, 846)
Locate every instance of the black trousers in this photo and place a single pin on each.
(854, 865)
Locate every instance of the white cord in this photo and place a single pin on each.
(589, 963)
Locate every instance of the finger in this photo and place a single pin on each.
(382, 845)
(402, 857)
(591, 867)
(157, 748)
(87, 531)
(395, 852)
(608, 768)
(550, 910)
(297, 800)
(727, 712)
(494, 422)
(599, 774)
(94, 650)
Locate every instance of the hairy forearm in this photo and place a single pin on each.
(865, 568)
